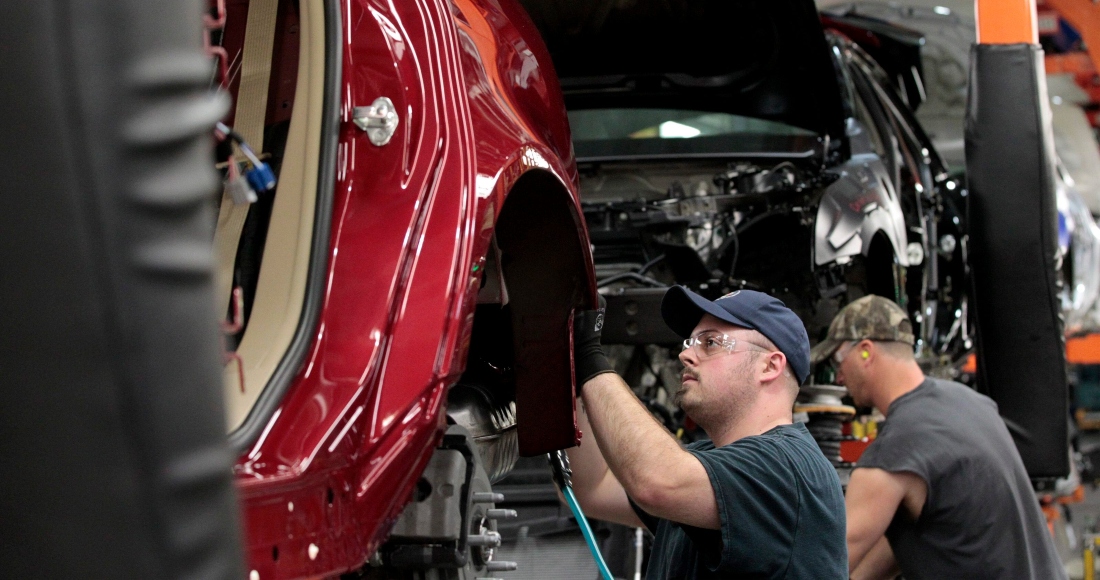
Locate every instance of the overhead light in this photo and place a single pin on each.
(674, 129)
(942, 10)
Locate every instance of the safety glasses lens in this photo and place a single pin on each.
(708, 344)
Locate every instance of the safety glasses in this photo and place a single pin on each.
(710, 343)
(842, 353)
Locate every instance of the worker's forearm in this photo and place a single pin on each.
(635, 445)
(860, 546)
(879, 563)
(588, 464)
(872, 499)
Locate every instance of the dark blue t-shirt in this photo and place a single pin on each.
(781, 509)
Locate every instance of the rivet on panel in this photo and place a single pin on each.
(313, 550)
(289, 506)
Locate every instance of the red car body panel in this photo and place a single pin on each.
(412, 222)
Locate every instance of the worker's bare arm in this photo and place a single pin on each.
(873, 497)
(661, 477)
(878, 564)
(598, 491)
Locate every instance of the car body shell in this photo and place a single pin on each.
(1079, 244)
(949, 34)
(412, 223)
(880, 194)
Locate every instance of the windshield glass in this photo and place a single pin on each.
(629, 132)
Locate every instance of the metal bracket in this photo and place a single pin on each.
(379, 120)
(452, 525)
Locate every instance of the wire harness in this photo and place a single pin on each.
(258, 178)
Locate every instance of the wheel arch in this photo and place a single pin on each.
(854, 210)
(547, 267)
(881, 259)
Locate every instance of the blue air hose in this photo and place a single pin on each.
(586, 530)
(559, 464)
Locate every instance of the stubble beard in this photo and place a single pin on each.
(731, 408)
(677, 396)
(859, 394)
(862, 400)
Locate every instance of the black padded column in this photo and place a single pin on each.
(1013, 238)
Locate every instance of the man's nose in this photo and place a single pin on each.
(687, 357)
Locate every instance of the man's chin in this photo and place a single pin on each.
(677, 398)
(684, 402)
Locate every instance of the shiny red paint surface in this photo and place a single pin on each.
(412, 223)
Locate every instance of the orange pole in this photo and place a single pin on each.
(1006, 21)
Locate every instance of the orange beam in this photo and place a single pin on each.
(1078, 64)
(1080, 350)
(1084, 350)
(1084, 15)
(1006, 21)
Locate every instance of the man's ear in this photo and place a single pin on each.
(774, 363)
(865, 350)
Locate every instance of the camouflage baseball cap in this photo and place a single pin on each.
(871, 318)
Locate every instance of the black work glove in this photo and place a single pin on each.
(588, 357)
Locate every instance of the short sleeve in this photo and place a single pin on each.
(758, 504)
(906, 440)
(649, 520)
(895, 451)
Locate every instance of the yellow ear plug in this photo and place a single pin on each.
(866, 354)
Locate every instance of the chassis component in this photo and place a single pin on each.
(449, 529)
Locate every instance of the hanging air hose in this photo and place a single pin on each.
(559, 466)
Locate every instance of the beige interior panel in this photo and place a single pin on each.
(280, 290)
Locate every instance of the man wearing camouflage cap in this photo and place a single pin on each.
(942, 492)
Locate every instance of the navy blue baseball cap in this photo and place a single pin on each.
(682, 310)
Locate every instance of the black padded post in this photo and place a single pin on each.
(1013, 237)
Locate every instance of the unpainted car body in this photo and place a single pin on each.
(1079, 243)
(797, 168)
(949, 32)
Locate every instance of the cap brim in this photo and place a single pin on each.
(824, 350)
(682, 310)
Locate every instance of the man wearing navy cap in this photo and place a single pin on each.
(757, 501)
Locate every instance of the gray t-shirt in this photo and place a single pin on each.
(981, 518)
